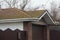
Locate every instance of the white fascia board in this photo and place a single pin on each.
(48, 15)
(18, 20)
(42, 16)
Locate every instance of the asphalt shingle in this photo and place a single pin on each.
(10, 13)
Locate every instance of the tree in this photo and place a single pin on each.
(11, 3)
(0, 4)
(54, 9)
(24, 3)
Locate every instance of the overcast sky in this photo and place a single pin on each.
(36, 3)
(47, 3)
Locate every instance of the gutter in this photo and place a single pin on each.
(18, 20)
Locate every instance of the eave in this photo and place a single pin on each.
(18, 20)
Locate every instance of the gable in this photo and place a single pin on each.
(48, 18)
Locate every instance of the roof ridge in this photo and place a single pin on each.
(24, 13)
(27, 14)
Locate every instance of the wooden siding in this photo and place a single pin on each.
(28, 28)
(54, 34)
(9, 34)
(39, 32)
(35, 32)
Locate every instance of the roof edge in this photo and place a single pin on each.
(42, 15)
(17, 20)
(50, 17)
(46, 12)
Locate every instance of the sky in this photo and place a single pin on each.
(37, 3)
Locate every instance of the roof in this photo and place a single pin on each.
(36, 14)
(17, 15)
(12, 13)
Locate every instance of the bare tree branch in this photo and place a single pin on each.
(14, 3)
(0, 4)
(53, 9)
(11, 3)
(23, 4)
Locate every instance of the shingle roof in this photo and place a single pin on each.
(17, 13)
(12, 13)
(36, 14)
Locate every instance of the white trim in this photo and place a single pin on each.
(50, 18)
(48, 15)
(12, 26)
(41, 16)
(17, 20)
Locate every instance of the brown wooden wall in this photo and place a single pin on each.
(35, 32)
(39, 32)
(9, 34)
(54, 34)
(28, 29)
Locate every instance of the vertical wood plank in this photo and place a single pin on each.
(48, 34)
(28, 29)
